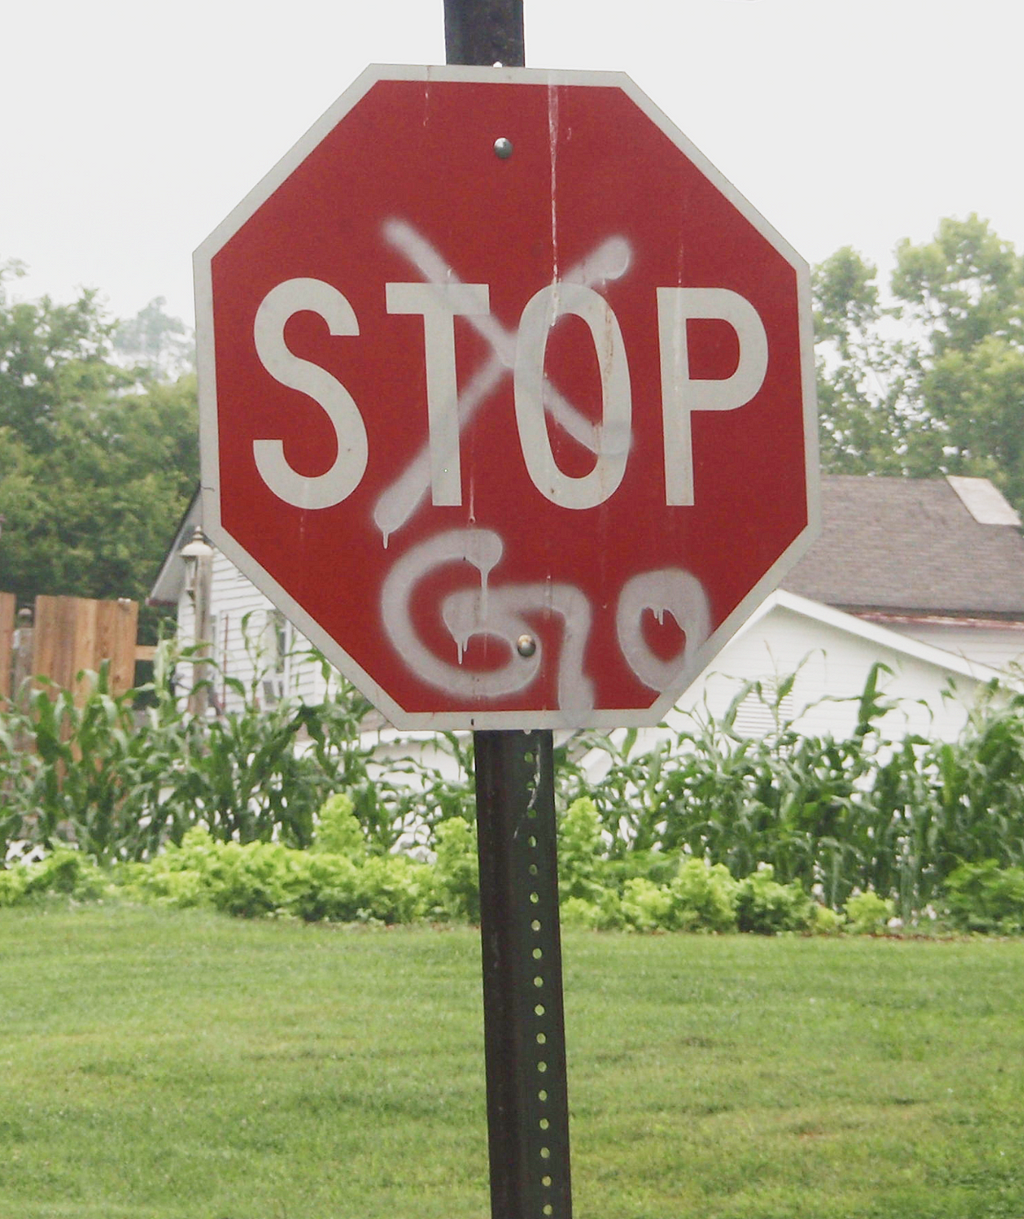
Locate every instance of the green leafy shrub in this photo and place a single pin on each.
(656, 865)
(64, 872)
(766, 907)
(703, 897)
(868, 914)
(580, 852)
(645, 905)
(12, 885)
(331, 891)
(456, 872)
(606, 913)
(573, 912)
(256, 879)
(393, 889)
(984, 897)
(825, 920)
(68, 872)
(187, 874)
(698, 898)
(337, 831)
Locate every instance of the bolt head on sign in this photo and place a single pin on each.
(506, 398)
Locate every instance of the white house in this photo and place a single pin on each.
(923, 575)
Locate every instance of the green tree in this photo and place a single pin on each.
(97, 462)
(934, 381)
(158, 342)
(963, 286)
(965, 292)
(861, 376)
(53, 358)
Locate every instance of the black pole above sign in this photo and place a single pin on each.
(484, 32)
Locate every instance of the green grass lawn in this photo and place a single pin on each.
(170, 1065)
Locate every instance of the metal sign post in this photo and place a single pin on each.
(524, 1030)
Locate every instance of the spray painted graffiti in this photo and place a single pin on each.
(505, 612)
(669, 591)
(499, 612)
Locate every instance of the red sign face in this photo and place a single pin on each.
(507, 398)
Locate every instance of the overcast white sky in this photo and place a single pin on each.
(131, 129)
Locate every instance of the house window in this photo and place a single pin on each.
(760, 714)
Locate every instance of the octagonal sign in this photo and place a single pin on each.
(506, 398)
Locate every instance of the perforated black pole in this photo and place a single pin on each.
(524, 1029)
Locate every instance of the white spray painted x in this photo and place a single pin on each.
(608, 262)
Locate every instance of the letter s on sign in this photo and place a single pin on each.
(303, 490)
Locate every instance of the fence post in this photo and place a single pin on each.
(24, 651)
(6, 643)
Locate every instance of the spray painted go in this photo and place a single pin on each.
(506, 397)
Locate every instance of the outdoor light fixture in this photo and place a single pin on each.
(197, 555)
(193, 552)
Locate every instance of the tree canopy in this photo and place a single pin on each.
(931, 380)
(97, 459)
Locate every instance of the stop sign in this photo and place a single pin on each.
(506, 397)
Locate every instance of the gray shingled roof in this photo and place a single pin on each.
(909, 546)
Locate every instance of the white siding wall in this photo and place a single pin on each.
(251, 642)
(833, 666)
(998, 646)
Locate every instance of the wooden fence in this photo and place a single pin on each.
(68, 634)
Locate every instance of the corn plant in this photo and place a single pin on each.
(835, 815)
(980, 791)
(76, 770)
(387, 798)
